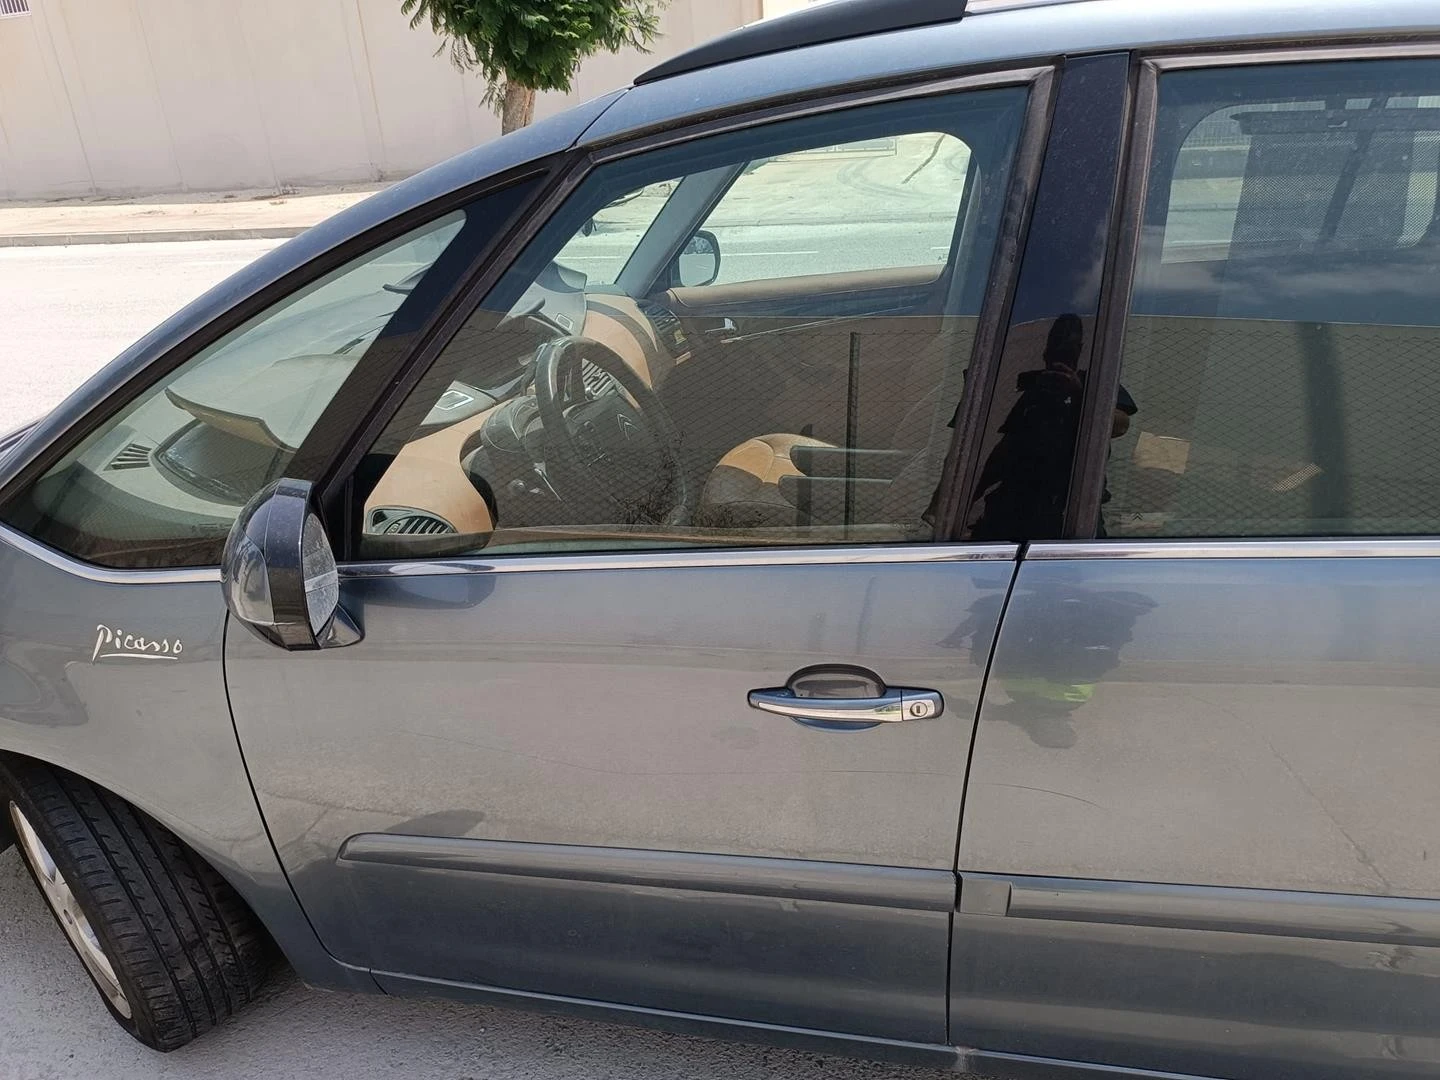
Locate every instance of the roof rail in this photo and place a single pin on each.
(834, 20)
(984, 7)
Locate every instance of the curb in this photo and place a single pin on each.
(152, 236)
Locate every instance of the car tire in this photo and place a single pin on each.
(169, 945)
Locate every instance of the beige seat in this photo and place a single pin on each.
(746, 490)
(903, 407)
(743, 491)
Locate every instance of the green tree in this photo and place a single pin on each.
(523, 46)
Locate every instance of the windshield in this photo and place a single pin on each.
(605, 243)
(186, 454)
(281, 370)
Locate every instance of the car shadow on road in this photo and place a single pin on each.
(53, 1026)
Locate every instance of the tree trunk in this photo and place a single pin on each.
(519, 108)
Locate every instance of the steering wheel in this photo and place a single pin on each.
(608, 439)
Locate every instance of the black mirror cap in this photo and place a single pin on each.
(279, 574)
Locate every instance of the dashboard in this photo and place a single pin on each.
(427, 488)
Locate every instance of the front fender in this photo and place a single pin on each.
(86, 687)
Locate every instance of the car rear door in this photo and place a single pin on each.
(1201, 804)
(541, 774)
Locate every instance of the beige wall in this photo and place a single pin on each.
(141, 96)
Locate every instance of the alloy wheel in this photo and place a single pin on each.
(66, 907)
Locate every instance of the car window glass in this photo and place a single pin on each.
(160, 483)
(604, 243)
(1203, 214)
(1276, 369)
(629, 411)
(814, 211)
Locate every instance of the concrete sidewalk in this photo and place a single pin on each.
(238, 215)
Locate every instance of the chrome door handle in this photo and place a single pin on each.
(895, 706)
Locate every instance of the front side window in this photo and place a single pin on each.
(815, 211)
(160, 483)
(753, 338)
(1278, 367)
(604, 244)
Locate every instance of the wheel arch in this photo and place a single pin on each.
(264, 888)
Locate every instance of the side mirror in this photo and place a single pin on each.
(279, 572)
(699, 263)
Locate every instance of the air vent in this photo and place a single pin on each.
(14, 7)
(667, 328)
(134, 456)
(598, 382)
(418, 525)
(399, 521)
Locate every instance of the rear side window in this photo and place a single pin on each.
(159, 484)
(1278, 376)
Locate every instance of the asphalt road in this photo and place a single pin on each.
(64, 312)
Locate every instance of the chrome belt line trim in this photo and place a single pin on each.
(678, 560)
(76, 568)
(1416, 548)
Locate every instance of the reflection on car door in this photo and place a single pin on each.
(550, 781)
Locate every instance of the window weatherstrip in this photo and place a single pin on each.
(1312, 55)
(682, 560)
(1325, 548)
(75, 568)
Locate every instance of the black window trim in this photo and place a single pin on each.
(1088, 479)
(341, 496)
(962, 462)
(1102, 159)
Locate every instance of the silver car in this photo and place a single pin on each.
(910, 531)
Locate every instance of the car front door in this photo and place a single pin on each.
(611, 588)
(1198, 830)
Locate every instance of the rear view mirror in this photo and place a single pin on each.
(699, 263)
(279, 572)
